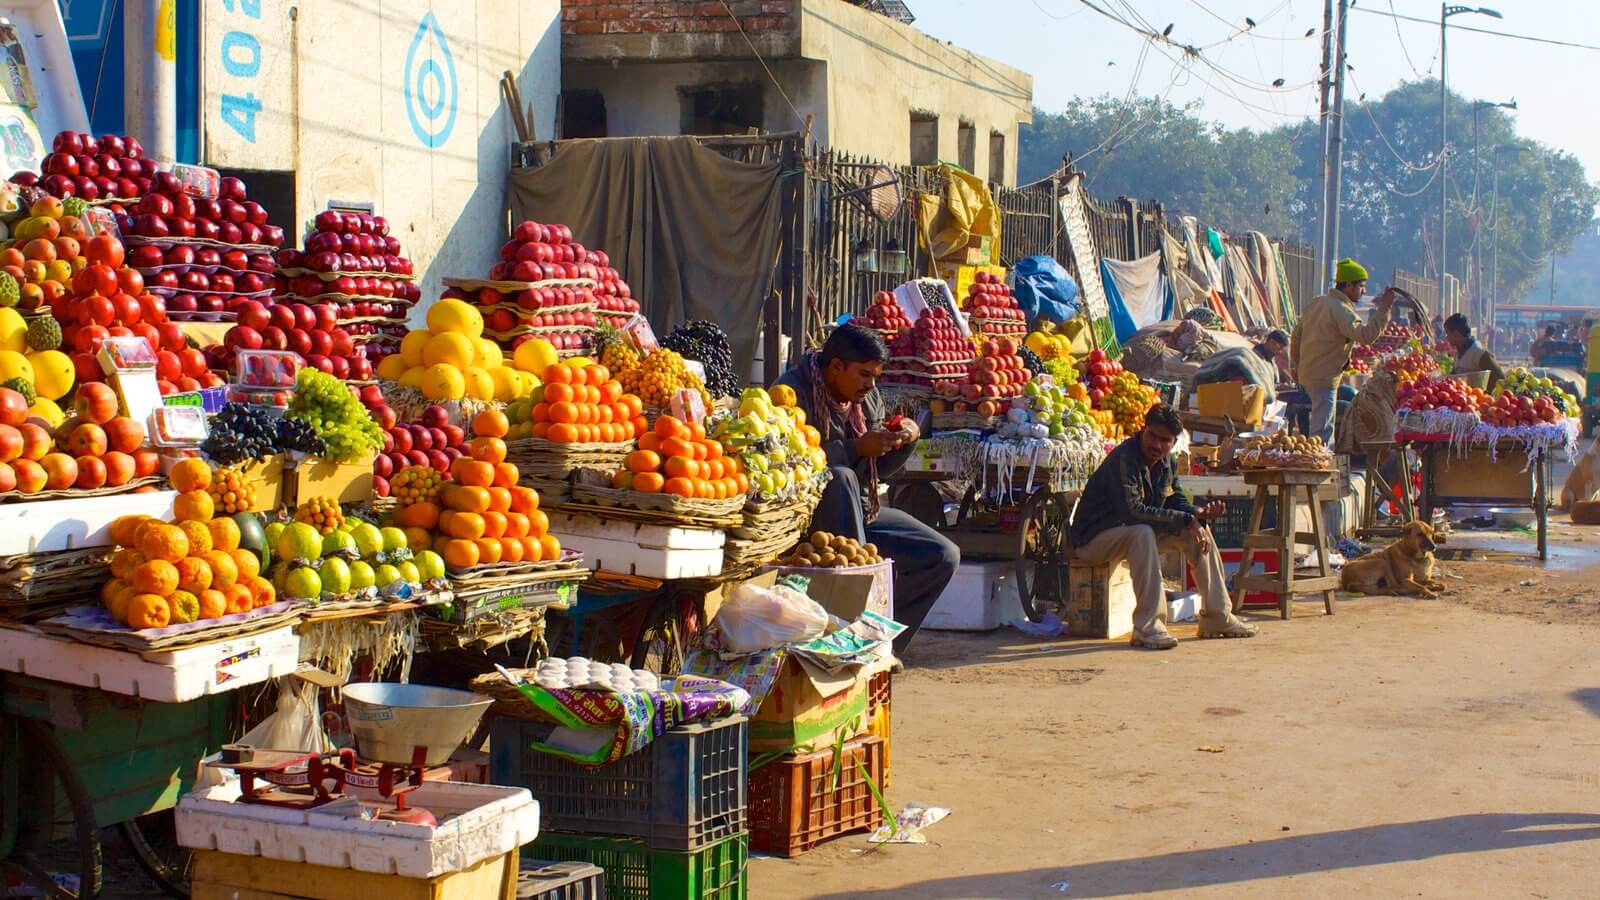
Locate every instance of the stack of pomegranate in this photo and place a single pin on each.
(112, 168)
(560, 288)
(312, 331)
(932, 353)
(431, 442)
(997, 372)
(351, 260)
(229, 217)
(884, 316)
(991, 309)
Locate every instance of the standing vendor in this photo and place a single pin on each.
(1470, 357)
(837, 388)
(1323, 338)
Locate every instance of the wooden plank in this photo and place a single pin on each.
(1270, 583)
(1265, 541)
(1287, 476)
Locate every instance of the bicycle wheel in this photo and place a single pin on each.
(1043, 554)
(41, 738)
(153, 841)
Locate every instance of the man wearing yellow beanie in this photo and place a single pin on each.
(1320, 349)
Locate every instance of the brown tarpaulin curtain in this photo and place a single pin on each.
(694, 233)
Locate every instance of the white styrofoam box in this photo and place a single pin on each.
(45, 526)
(981, 597)
(168, 676)
(1183, 606)
(649, 551)
(485, 821)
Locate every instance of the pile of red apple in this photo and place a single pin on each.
(170, 212)
(431, 441)
(341, 248)
(1510, 410)
(884, 316)
(1395, 334)
(564, 315)
(1443, 393)
(201, 278)
(997, 372)
(1098, 372)
(991, 308)
(932, 352)
(311, 331)
(114, 167)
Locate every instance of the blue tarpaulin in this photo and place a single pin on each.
(1044, 289)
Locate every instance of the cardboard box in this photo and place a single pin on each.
(267, 474)
(1239, 402)
(344, 482)
(847, 593)
(962, 277)
(980, 250)
(1100, 601)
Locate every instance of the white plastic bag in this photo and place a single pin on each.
(295, 725)
(760, 618)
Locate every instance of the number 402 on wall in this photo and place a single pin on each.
(240, 52)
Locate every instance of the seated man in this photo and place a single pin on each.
(837, 388)
(1132, 508)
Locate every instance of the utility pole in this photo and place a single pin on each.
(1445, 12)
(1321, 262)
(1336, 136)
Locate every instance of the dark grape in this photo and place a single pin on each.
(1030, 360)
(707, 343)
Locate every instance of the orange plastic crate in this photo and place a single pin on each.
(803, 799)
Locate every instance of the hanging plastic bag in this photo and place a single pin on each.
(295, 725)
(759, 618)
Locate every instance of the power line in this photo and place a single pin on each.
(1489, 31)
(1362, 99)
(1403, 51)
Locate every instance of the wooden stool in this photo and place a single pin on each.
(1377, 452)
(1286, 483)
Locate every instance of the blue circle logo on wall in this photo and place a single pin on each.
(431, 90)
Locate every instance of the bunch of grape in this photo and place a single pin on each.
(414, 484)
(231, 492)
(241, 432)
(333, 411)
(1030, 360)
(294, 434)
(660, 376)
(708, 343)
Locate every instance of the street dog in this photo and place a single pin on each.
(1583, 482)
(1403, 567)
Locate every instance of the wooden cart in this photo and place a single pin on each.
(1507, 474)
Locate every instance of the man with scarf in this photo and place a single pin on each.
(837, 388)
(1470, 355)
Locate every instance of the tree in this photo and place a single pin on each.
(1389, 211)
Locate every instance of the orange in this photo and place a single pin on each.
(538, 523)
(213, 604)
(541, 430)
(640, 425)
(744, 483)
(444, 520)
(111, 589)
(491, 423)
(558, 393)
(240, 599)
(124, 529)
(524, 499)
(157, 577)
(697, 432)
(418, 539)
(262, 593)
(591, 394)
(596, 374)
(422, 514)
(552, 547)
(506, 475)
(162, 541)
(702, 489)
(224, 535)
(500, 499)
(467, 526)
(191, 475)
(671, 427)
(511, 550)
(541, 412)
(124, 561)
(648, 482)
(224, 572)
(516, 525)
(563, 413)
(194, 506)
(471, 472)
(487, 449)
(680, 467)
(713, 450)
(488, 551)
(622, 479)
(248, 564)
(683, 487)
(561, 434)
(194, 574)
(649, 440)
(733, 487)
(556, 373)
(603, 414)
(147, 610)
(635, 405)
(697, 449)
(460, 554)
(118, 605)
(467, 499)
(585, 413)
(611, 392)
(532, 550)
(494, 525)
(199, 537)
(674, 446)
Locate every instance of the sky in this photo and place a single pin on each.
(1069, 48)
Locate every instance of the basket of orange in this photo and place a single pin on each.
(678, 474)
(582, 419)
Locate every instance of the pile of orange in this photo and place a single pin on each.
(675, 457)
(172, 573)
(584, 404)
(485, 517)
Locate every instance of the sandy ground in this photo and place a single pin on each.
(1440, 748)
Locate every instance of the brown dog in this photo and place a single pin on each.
(1403, 567)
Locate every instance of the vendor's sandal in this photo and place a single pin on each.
(1231, 627)
(1154, 640)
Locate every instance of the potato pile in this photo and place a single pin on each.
(831, 551)
(1285, 450)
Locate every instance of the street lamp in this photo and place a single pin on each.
(1445, 12)
(1494, 232)
(1476, 261)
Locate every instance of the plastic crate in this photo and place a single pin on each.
(635, 872)
(1230, 529)
(575, 880)
(684, 791)
(878, 724)
(878, 690)
(803, 799)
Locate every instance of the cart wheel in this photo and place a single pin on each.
(920, 501)
(153, 840)
(1044, 552)
(41, 737)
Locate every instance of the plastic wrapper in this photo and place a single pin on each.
(197, 181)
(178, 426)
(126, 353)
(759, 618)
(268, 368)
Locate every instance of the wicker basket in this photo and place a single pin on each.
(537, 456)
(658, 507)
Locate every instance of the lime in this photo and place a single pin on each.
(335, 575)
(430, 565)
(369, 540)
(299, 541)
(386, 575)
(408, 571)
(393, 539)
(336, 542)
(271, 534)
(302, 583)
(361, 576)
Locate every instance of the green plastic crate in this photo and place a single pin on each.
(635, 872)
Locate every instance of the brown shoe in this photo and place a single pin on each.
(1155, 639)
(1225, 626)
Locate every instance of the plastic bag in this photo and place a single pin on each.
(295, 725)
(1044, 289)
(759, 618)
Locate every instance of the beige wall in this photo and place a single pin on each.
(331, 87)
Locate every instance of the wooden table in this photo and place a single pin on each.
(1377, 487)
(1286, 484)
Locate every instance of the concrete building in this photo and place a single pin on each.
(872, 85)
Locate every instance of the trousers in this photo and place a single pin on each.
(1139, 545)
(1324, 403)
(924, 559)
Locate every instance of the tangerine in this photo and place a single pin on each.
(500, 499)
(491, 423)
(224, 534)
(648, 482)
(191, 474)
(194, 574)
(460, 554)
(511, 550)
(159, 540)
(156, 576)
(146, 610)
(488, 551)
(194, 506)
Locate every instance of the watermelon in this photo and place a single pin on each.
(253, 537)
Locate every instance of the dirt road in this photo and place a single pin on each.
(1440, 748)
